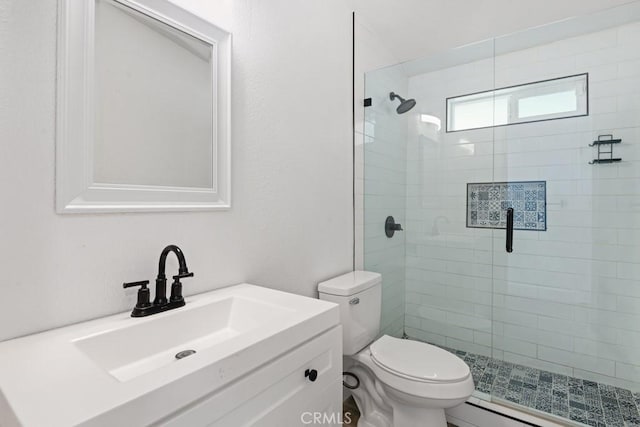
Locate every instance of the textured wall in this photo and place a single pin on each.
(291, 221)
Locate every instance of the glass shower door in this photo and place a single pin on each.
(384, 146)
(566, 303)
(437, 273)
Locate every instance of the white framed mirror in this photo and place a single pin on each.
(143, 108)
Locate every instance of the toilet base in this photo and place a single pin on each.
(399, 416)
(379, 408)
(413, 416)
(374, 411)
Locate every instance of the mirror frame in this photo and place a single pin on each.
(76, 191)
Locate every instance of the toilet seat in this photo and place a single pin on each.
(418, 361)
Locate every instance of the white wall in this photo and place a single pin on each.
(567, 298)
(291, 221)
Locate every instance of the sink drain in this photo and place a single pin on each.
(184, 354)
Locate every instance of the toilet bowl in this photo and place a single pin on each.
(418, 380)
(402, 383)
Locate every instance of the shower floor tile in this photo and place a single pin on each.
(582, 401)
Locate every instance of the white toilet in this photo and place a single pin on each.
(402, 383)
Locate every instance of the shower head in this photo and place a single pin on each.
(405, 104)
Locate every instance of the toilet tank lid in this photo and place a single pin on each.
(350, 283)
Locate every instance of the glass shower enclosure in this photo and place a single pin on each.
(516, 178)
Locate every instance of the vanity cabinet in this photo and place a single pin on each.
(284, 392)
(257, 356)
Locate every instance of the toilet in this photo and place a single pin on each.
(400, 383)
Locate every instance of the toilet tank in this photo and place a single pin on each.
(359, 295)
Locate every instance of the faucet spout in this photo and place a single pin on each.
(161, 280)
(182, 269)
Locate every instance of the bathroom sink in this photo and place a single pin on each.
(111, 371)
(141, 347)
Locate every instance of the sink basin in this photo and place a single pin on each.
(139, 348)
(110, 371)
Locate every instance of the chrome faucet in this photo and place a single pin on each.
(160, 303)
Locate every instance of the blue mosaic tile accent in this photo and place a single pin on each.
(488, 202)
(581, 401)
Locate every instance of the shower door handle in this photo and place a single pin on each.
(510, 230)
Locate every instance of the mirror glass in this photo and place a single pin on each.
(154, 102)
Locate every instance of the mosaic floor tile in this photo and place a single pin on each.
(579, 415)
(487, 204)
(581, 401)
(528, 397)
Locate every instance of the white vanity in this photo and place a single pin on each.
(261, 357)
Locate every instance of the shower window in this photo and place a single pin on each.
(544, 100)
(477, 111)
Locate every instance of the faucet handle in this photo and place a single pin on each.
(182, 276)
(142, 283)
(176, 287)
(143, 293)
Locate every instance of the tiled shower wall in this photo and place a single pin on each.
(384, 147)
(567, 299)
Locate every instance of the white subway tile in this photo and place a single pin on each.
(537, 363)
(629, 33)
(575, 45)
(578, 329)
(507, 315)
(628, 271)
(429, 337)
(617, 286)
(587, 363)
(614, 319)
(517, 58)
(627, 371)
(459, 333)
(482, 338)
(513, 345)
(604, 105)
(468, 347)
(470, 322)
(602, 73)
(628, 304)
(617, 353)
(431, 313)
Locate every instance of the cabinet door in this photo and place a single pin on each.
(278, 394)
(317, 407)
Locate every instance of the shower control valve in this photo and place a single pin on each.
(390, 227)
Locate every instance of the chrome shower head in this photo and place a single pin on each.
(405, 104)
